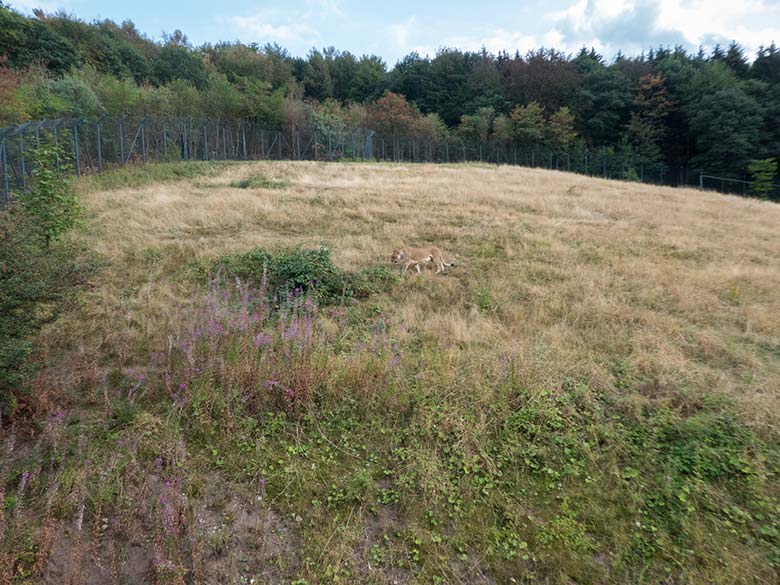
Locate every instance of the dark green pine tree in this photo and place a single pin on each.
(725, 125)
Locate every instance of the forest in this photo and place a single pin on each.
(715, 112)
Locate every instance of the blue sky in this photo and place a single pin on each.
(393, 29)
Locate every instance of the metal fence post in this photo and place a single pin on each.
(99, 149)
(76, 148)
(21, 159)
(6, 193)
(143, 140)
(185, 141)
(701, 181)
(122, 140)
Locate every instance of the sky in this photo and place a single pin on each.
(394, 29)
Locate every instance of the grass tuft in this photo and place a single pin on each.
(259, 182)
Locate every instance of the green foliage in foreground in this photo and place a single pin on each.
(50, 205)
(33, 286)
(299, 270)
(380, 476)
(38, 270)
(380, 455)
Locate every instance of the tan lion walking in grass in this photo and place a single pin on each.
(410, 255)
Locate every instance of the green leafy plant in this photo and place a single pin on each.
(34, 281)
(51, 203)
(299, 270)
(763, 172)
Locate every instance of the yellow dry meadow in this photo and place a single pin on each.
(580, 278)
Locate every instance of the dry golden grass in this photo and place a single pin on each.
(557, 393)
(577, 276)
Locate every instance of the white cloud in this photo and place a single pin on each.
(29, 5)
(401, 33)
(267, 27)
(327, 7)
(701, 22)
(635, 25)
(495, 41)
(408, 37)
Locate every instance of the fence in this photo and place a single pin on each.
(734, 186)
(92, 146)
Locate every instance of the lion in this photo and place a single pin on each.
(409, 255)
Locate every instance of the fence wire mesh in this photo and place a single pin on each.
(95, 145)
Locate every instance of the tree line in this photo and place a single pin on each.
(715, 112)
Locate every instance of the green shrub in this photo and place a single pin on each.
(763, 173)
(51, 203)
(78, 97)
(34, 281)
(300, 270)
(37, 270)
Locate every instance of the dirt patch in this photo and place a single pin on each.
(242, 539)
(229, 538)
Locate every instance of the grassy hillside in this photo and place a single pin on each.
(591, 395)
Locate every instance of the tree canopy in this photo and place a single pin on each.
(713, 112)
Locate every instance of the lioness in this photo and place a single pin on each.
(409, 255)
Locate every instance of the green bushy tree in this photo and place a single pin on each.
(528, 124)
(77, 98)
(763, 173)
(479, 125)
(179, 63)
(37, 270)
(29, 41)
(725, 124)
(50, 204)
(560, 129)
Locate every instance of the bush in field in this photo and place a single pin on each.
(78, 97)
(301, 270)
(51, 203)
(36, 270)
(34, 281)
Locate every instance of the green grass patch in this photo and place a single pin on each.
(259, 182)
(137, 175)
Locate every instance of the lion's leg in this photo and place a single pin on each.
(417, 266)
